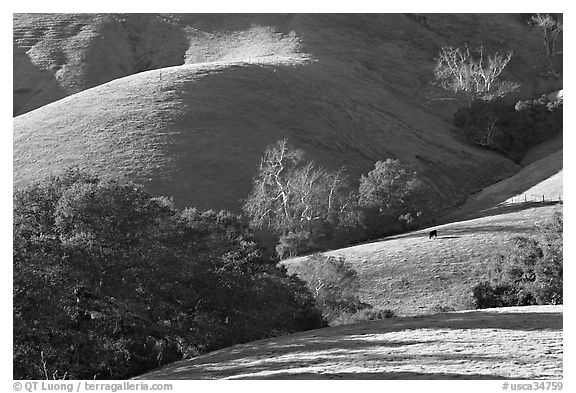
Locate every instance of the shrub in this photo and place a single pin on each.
(489, 295)
(367, 314)
(334, 284)
(293, 243)
(110, 282)
(529, 272)
(441, 308)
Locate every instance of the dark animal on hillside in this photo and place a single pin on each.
(433, 233)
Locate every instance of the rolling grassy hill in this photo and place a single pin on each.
(542, 176)
(412, 274)
(186, 104)
(507, 343)
(419, 278)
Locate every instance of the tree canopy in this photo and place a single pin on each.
(393, 193)
(110, 282)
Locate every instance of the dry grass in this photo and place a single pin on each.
(350, 90)
(541, 177)
(412, 274)
(515, 343)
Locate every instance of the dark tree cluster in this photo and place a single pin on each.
(529, 272)
(511, 129)
(110, 282)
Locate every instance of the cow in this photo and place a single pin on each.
(433, 233)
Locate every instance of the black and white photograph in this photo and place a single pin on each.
(286, 196)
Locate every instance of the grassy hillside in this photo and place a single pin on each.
(349, 89)
(419, 278)
(57, 55)
(412, 274)
(508, 343)
(542, 176)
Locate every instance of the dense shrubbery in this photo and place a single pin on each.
(507, 128)
(310, 208)
(333, 283)
(366, 314)
(109, 282)
(530, 272)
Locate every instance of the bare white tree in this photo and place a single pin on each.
(469, 75)
(552, 29)
(290, 192)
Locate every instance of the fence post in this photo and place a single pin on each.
(524, 198)
(542, 198)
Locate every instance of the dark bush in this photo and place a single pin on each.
(441, 308)
(529, 272)
(110, 282)
(367, 314)
(489, 295)
(507, 128)
(294, 243)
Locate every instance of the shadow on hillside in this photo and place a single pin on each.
(271, 367)
(28, 81)
(364, 342)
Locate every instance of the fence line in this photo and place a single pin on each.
(530, 198)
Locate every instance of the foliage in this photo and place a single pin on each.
(529, 272)
(510, 129)
(300, 202)
(442, 308)
(393, 194)
(110, 282)
(334, 284)
(311, 209)
(367, 314)
(468, 75)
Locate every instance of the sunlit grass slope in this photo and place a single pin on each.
(412, 274)
(506, 343)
